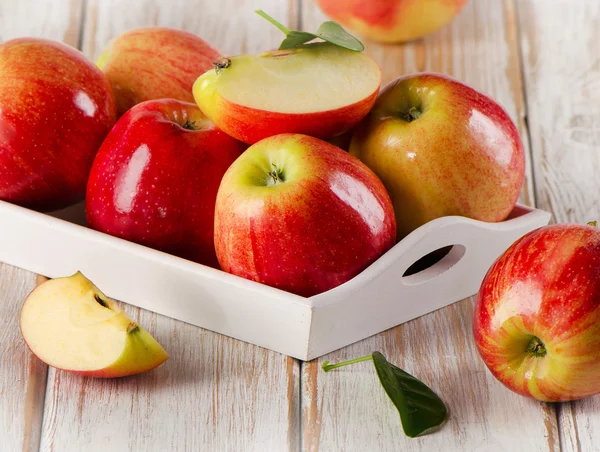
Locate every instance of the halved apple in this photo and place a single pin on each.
(70, 324)
(317, 89)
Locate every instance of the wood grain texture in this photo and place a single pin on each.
(22, 375)
(346, 410)
(562, 75)
(214, 393)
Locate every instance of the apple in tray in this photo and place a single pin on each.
(156, 176)
(70, 324)
(56, 108)
(317, 89)
(537, 316)
(441, 148)
(297, 213)
(155, 63)
(392, 20)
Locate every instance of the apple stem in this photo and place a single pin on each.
(223, 63)
(327, 367)
(592, 223)
(274, 177)
(413, 113)
(536, 347)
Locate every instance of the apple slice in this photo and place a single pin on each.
(70, 324)
(317, 89)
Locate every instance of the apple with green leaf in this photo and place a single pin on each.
(441, 148)
(156, 176)
(68, 323)
(56, 108)
(297, 213)
(392, 21)
(537, 316)
(320, 89)
(155, 63)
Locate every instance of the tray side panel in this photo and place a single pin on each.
(357, 311)
(156, 281)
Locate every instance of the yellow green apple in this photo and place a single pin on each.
(317, 89)
(392, 20)
(155, 63)
(68, 323)
(441, 148)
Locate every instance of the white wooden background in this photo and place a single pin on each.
(539, 58)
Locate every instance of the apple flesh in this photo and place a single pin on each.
(68, 323)
(155, 63)
(319, 89)
(441, 148)
(537, 316)
(297, 213)
(56, 108)
(156, 176)
(392, 21)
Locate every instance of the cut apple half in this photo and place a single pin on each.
(316, 89)
(68, 323)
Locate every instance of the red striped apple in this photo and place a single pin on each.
(68, 323)
(56, 108)
(297, 213)
(441, 148)
(537, 316)
(318, 89)
(392, 20)
(156, 176)
(155, 63)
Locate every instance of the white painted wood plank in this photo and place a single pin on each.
(562, 75)
(22, 375)
(214, 393)
(346, 410)
(52, 19)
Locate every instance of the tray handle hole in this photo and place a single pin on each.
(433, 264)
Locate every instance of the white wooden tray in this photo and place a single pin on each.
(305, 328)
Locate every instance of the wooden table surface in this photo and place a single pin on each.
(539, 58)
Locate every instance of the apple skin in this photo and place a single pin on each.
(155, 63)
(462, 156)
(69, 324)
(251, 125)
(326, 222)
(155, 182)
(547, 286)
(56, 108)
(392, 21)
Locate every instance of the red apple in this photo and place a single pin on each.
(318, 89)
(392, 20)
(155, 63)
(297, 213)
(441, 148)
(537, 316)
(156, 176)
(56, 107)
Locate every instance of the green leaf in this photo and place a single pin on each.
(420, 408)
(295, 39)
(330, 31)
(334, 33)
